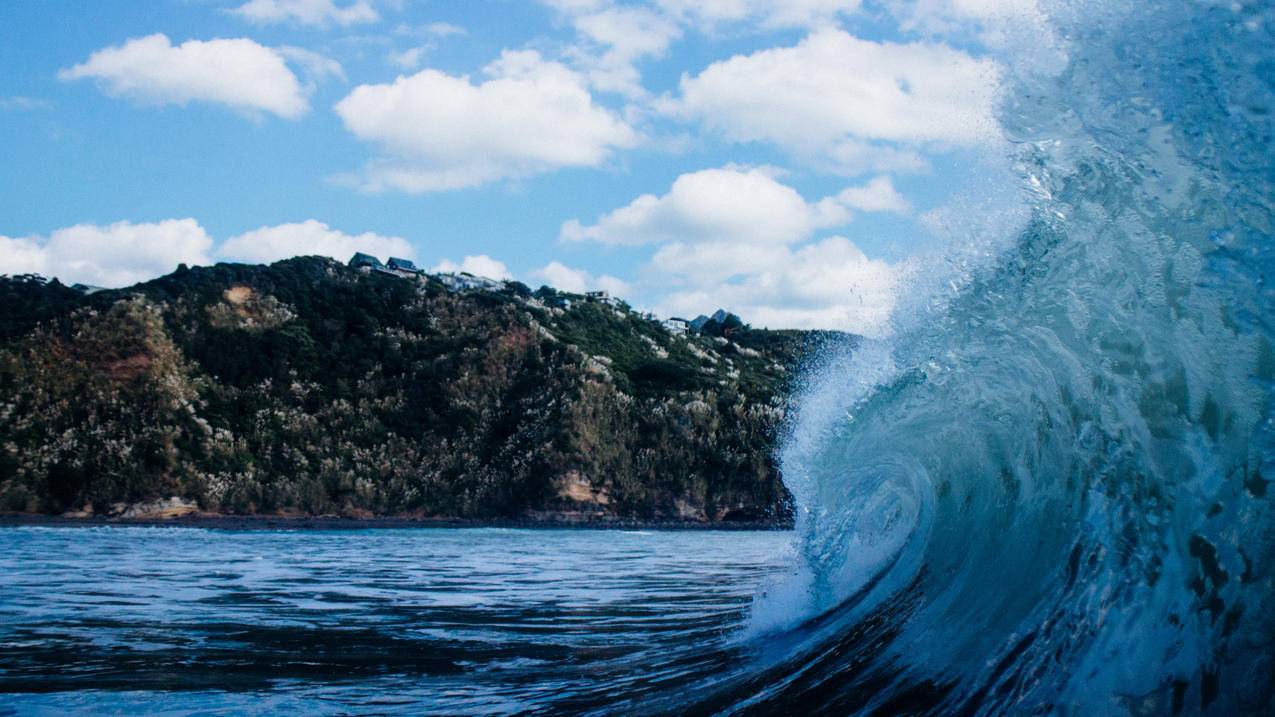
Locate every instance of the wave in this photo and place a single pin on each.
(1046, 489)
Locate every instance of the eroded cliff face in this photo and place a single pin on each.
(309, 388)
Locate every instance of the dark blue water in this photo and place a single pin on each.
(1045, 490)
(157, 620)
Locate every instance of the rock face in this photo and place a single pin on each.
(310, 388)
(161, 509)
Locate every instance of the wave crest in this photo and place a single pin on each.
(1051, 476)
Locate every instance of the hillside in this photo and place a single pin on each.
(310, 388)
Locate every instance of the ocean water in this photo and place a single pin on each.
(1043, 489)
(425, 621)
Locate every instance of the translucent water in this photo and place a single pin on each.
(1046, 489)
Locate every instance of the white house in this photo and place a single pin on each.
(676, 326)
(602, 297)
(465, 281)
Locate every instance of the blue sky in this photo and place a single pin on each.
(782, 159)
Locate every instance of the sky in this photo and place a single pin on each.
(782, 159)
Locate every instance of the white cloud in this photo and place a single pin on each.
(714, 260)
(856, 105)
(578, 281)
(432, 29)
(478, 265)
(115, 255)
(1000, 24)
(309, 238)
(442, 29)
(316, 66)
(738, 206)
(561, 276)
(18, 103)
(630, 32)
(613, 38)
(125, 253)
(852, 156)
(411, 58)
(710, 15)
(827, 284)
(444, 132)
(738, 238)
(307, 12)
(238, 73)
(408, 59)
(878, 195)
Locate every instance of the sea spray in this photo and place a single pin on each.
(1044, 488)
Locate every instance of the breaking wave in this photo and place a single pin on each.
(1047, 489)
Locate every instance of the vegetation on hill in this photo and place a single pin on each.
(307, 387)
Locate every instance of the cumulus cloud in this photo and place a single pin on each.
(734, 205)
(440, 131)
(713, 261)
(125, 253)
(629, 32)
(826, 284)
(615, 37)
(878, 195)
(577, 281)
(114, 255)
(738, 238)
(478, 265)
(310, 238)
(238, 73)
(307, 12)
(853, 104)
(710, 15)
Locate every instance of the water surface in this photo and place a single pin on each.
(392, 621)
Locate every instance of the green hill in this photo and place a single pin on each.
(307, 387)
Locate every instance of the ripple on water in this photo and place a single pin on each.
(460, 621)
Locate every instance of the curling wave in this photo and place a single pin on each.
(1047, 490)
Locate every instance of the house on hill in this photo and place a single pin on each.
(464, 281)
(676, 326)
(396, 266)
(403, 268)
(366, 262)
(602, 297)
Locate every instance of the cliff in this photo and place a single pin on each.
(309, 388)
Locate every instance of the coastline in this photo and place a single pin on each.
(331, 522)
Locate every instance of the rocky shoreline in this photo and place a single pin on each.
(310, 388)
(213, 521)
